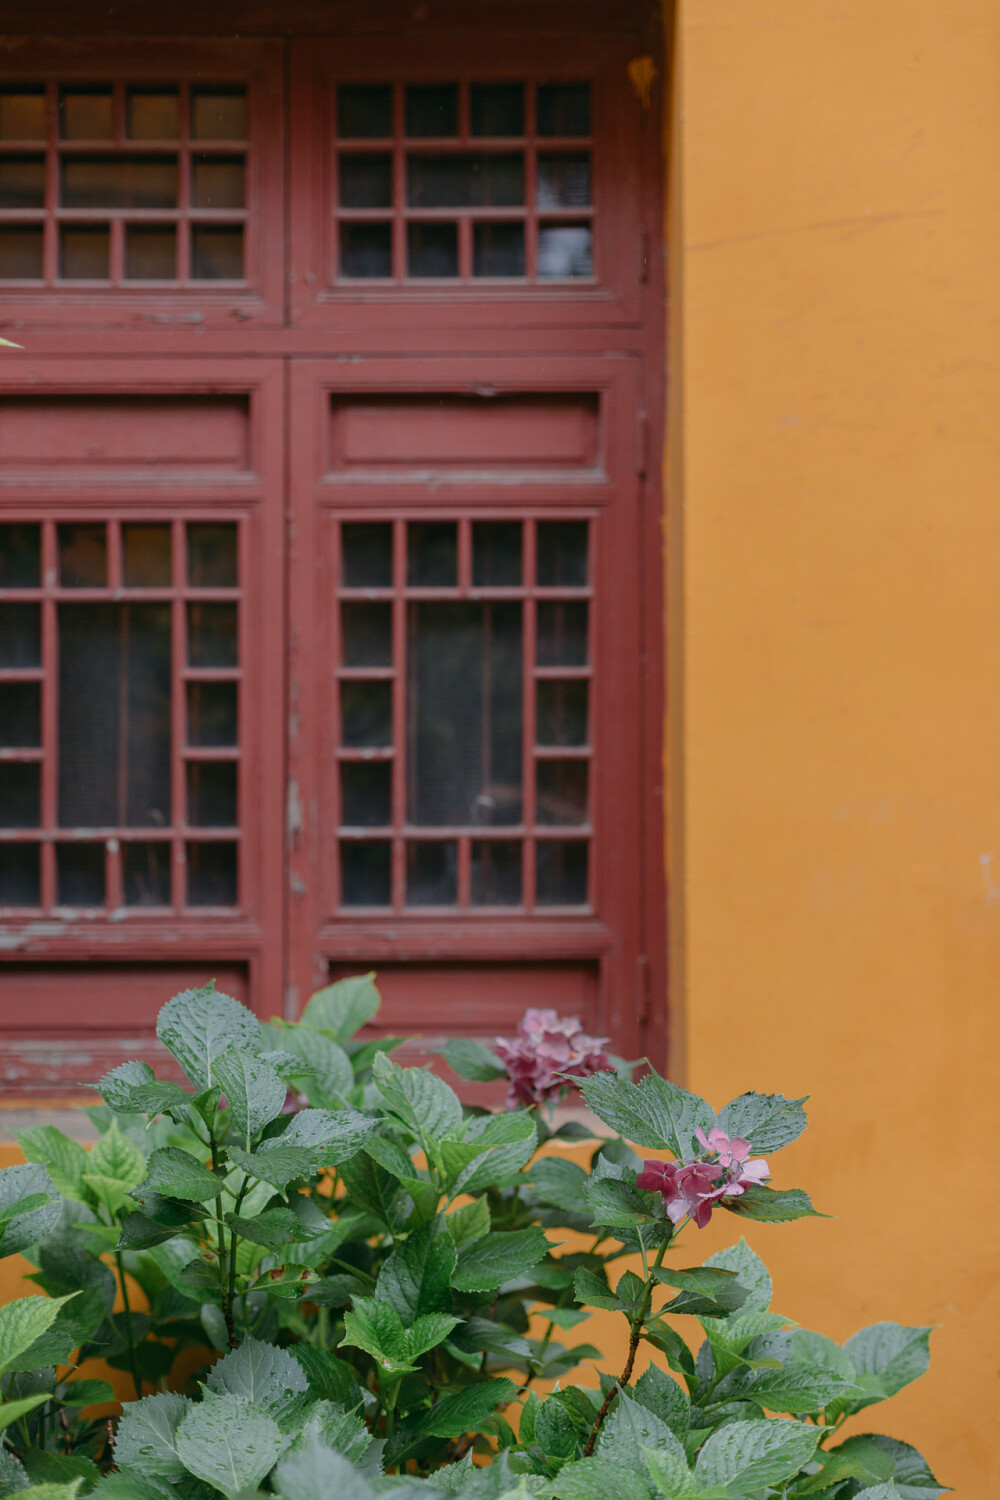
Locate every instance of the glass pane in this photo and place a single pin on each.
(366, 250)
(20, 716)
(453, 181)
(146, 555)
(564, 181)
(146, 874)
(84, 253)
(562, 713)
(219, 114)
(565, 250)
(212, 640)
(366, 874)
(119, 182)
(497, 108)
(432, 554)
(562, 554)
(561, 872)
(22, 114)
(150, 252)
(151, 116)
(211, 794)
(366, 715)
(366, 794)
(432, 874)
(114, 715)
(80, 874)
(85, 115)
(83, 556)
(464, 714)
(498, 250)
(20, 556)
(20, 883)
(431, 109)
(562, 633)
(20, 794)
(217, 182)
(20, 635)
(563, 109)
(562, 791)
(212, 718)
(366, 181)
(22, 182)
(364, 111)
(211, 874)
(432, 249)
(496, 872)
(496, 554)
(366, 554)
(366, 635)
(217, 252)
(212, 558)
(21, 252)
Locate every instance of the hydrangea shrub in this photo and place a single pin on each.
(373, 1280)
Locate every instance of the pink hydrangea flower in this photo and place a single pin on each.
(693, 1188)
(546, 1049)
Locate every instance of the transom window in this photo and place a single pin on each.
(122, 183)
(464, 713)
(464, 181)
(120, 688)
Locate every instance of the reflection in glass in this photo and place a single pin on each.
(432, 874)
(496, 872)
(219, 114)
(146, 874)
(85, 252)
(22, 114)
(366, 635)
(365, 873)
(150, 252)
(364, 111)
(151, 115)
(564, 180)
(212, 640)
(20, 635)
(22, 182)
(20, 555)
(365, 181)
(563, 109)
(565, 250)
(464, 725)
(562, 633)
(114, 715)
(561, 872)
(562, 792)
(477, 181)
(366, 554)
(83, 556)
(20, 794)
(432, 249)
(496, 554)
(366, 251)
(211, 794)
(20, 716)
(366, 793)
(366, 715)
(212, 714)
(498, 249)
(562, 713)
(211, 874)
(431, 109)
(85, 114)
(21, 252)
(20, 875)
(432, 554)
(80, 874)
(497, 108)
(212, 555)
(146, 555)
(562, 554)
(217, 252)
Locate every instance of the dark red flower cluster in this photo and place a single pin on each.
(693, 1188)
(545, 1050)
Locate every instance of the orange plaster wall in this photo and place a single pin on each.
(835, 703)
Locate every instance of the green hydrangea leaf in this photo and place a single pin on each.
(174, 1173)
(767, 1121)
(114, 1155)
(466, 1410)
(264, 1374)
(416, 1277)
(315, 1472)
(558, 1184)
(29, 1207)
(654, 1113)
(423, 1102)
(743, 1457)
(278, 1165)
(65, 1159)
(330, 1075)
(334, 1134)
(472, 1060)
(22, 1322)
(484, 1264)
(254, 1092)
(771, 1205)
(343, 1008)
(115, 1087)
(599, 1479)
(197, 1026)
(892, 1353)
(228, 1443)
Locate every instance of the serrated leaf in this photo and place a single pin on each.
(768, 1121)
(330, 1378)
(32, 1186)
(481, 1336)
(484, 1264)
(130, 1487)
(228, 1443)
(263, 1374)
(886, 1457)
(746, 1456)
(334, 1134)
(895, 1354)
(254, 1092)
(22, 1322)
(653, 1113)
(86, 1393)
(315, 1472)
(51, 1469)
(196, 1026)
(424, 1103)
(12, 1474)
(558, 1183)
(427, 1331)
(599, 1479)
(161, 1097)
(793, 1388)
(109, 1192)
(416, 1277)
(147, 1435)
(278, 1166)
(665, 1398)
(174, 1173)
(330, 1075)
(771, 1205)
(593, 1292)
(375, 1326)
(632, 1427)
(471, 1222)
(272, 1228)
(471, 1059)
(344, 1007)
(12, 1411)
(114, 1088)
(823, 1353)
(670, 1474)
(114, 1155)
(466, 1410)
(65, 1159)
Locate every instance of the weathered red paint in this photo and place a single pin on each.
(294, 402)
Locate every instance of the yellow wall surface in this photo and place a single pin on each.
(834, 729)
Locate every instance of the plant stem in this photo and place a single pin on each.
(226, 1278)
(635, 1327)
(129, 1331)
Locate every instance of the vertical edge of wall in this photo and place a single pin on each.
(673, 522)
